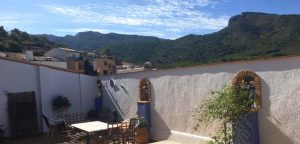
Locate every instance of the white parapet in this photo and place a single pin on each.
(182, 137)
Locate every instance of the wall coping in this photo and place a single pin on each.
(39, 64)
(216, 63)
(200, 65)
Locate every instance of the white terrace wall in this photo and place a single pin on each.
(177, 92)
(16, 77)
(47, 83)
(80, 90)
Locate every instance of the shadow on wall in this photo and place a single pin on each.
(159, 129)
(278, 137)
(111, 103)
(269, 132)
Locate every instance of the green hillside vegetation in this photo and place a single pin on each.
(18, 41)
(93, 41)
(247, 36)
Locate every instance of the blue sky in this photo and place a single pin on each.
(162, 18)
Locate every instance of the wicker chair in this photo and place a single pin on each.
(99, 138)
(59, 131)
(71, 135)
(53, 125)
(114, 133)
(127, 129)
(129, 133)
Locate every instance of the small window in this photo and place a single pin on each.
(145, 89)
(105, 63)
(250, 82)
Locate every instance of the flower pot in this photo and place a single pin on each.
(142, 135)
(64, 109)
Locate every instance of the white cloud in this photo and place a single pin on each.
(187, 3)
(76, 30)
(146, 32)
(11, 20)
(169, 15)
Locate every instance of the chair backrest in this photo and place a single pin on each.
(130, 136)
(132, 124)
(46, 120)
(59, 124)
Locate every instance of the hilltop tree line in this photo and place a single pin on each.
(18, 41)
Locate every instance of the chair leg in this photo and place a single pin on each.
(50, 135)
(52, 131)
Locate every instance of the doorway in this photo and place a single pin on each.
(22, 113)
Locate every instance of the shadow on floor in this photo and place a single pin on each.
(41, 139)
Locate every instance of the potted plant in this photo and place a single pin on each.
(60, 103)
(2, 132)
(142, 132)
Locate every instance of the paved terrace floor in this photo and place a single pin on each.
(42, 139)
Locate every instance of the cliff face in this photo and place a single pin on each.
(264, 24)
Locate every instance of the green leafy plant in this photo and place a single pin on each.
(228, 106)
(142, 123)
(60, 102)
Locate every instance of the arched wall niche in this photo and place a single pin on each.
(240, 77)
(145, 89)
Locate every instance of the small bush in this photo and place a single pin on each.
(60, 102)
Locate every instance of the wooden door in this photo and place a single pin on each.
(22, 114)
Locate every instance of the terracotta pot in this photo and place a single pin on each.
(142, 135)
